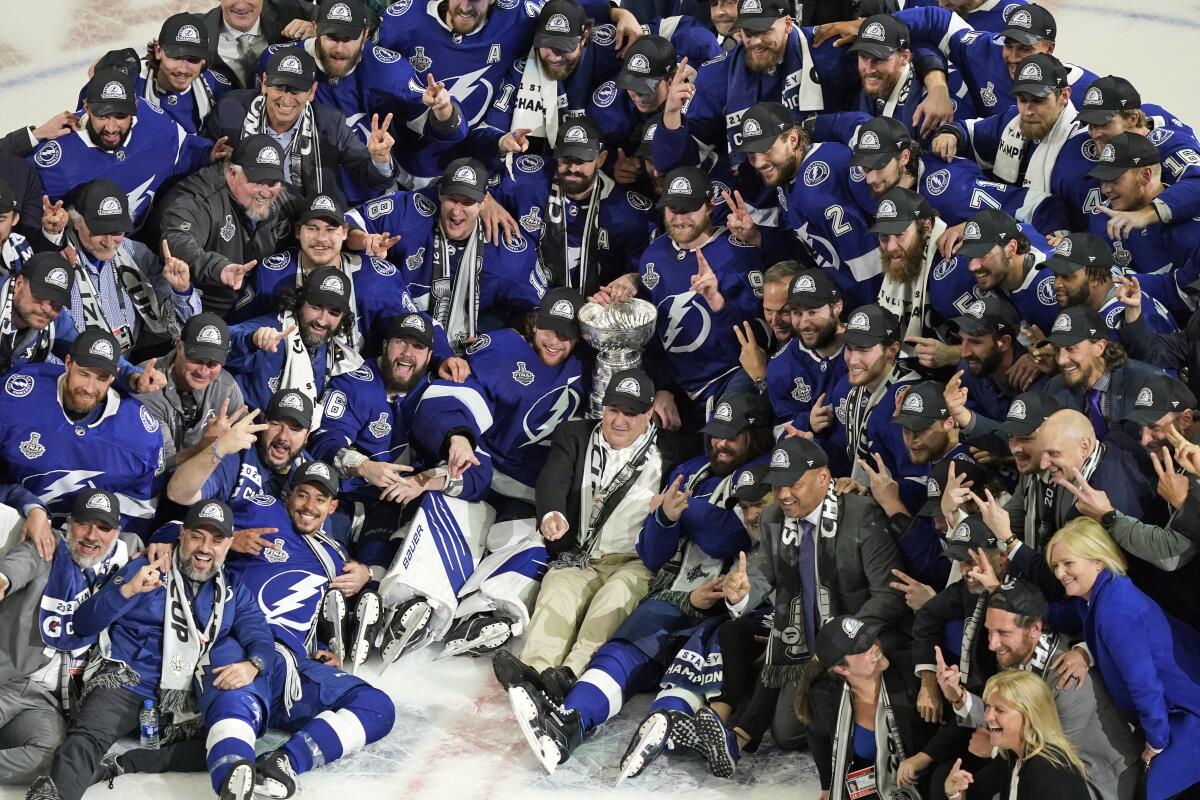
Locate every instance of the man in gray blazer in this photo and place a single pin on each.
(39, 653)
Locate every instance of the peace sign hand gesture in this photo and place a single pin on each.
(884, 488)
(752, 357)
(379, 143)
(739, 221)
(1172, 486)
(1091, 502)
(54, 217)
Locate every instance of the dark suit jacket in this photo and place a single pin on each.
(1126, 380)
(1040, 779)
(272, 25)
(23, 177)
(561, 479)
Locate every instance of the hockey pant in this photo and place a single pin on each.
(507, 580)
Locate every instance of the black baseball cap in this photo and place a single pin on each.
(1123, 152)
(985, 230)
(124, 60)
(110, 92)
(899, 208)
(97, 505)
(871, 325)
(813, 288)
(560, 25)
(559, 311)
(1029, 23)
(757, 16)
(50, 277)
(936, 484)
(793, 457)
(212, 516)
(8, 198)
(881, 35)
(969, 534)
(648, 62)
(1019, 597)
(104, 207)
(415, 326)
(924, 404)
(762, 124)
(1105, 98)
(346, 19)
(750, 486)
(328, 286)
(579, 137)
(184, 36)
(1077, 251)
(685, 189)
(1039, 75)
(464, 177)
(260, 157)
(1027, 412)
(1160, 396)
(327, 205)
(845, 636)
(317, 473)
(291, 67)
(205, 337)
(98, 349)
(1077, 324)
(879, 140)
(992, 315)
(735, 413)
(631, 389)
(290, 404)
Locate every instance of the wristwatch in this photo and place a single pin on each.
(1003, 544)
(257, 663)
(1108, 520)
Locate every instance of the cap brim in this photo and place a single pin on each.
(185, 51)
(329, 216)
(287, 79)
(1020, 35)
(759, 144)
(642, 84)
(579, 151)
(931, 508)
(344, 29)
(1107, 172)
(1096, 116)
(96, 515)
(914, 422)
(106, 225)
(891, 226)
(625, 401)
(42, 291)
(459, 190)
(328, 299)
(862, 338)
(567, 327)
(1061, 266)
(685, 205)
(205, 352)
(755, 24)
(213, 528)
(568, 44)
(95, 362)
(1015, 427)
(1035, 89)
(958, 552)
(975, 249)
(873, 49)
(783, 477)
(874, 160)
(107, 108)
(809, 300)
(972, 326)
(1065, 339)
(752, 493)
(1145, 416)
(290, 413)
(722, 430)
(258, 173)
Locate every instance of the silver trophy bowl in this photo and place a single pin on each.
(618, 332)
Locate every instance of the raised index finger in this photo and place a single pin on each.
(166, 250)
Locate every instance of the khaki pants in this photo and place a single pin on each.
(579, 609)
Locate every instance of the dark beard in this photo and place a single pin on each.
(991, 364)
(401, 387)
(724, 468)
(1077, 297)
(314, 340)
(188, 572)
(826, 336)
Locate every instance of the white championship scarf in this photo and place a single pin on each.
(889, 751)
(185, 646)
(305, 142)
(623, 464)
(297, 372)
(537, 102)
(899, 91)
(202, 96)
(909, 300)
(350, 265)
(1041, 162)
(128, 278)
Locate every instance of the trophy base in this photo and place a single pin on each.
(608, 363)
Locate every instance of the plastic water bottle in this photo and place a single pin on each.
(149, 725)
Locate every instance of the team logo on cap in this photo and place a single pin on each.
(292, 400)
(724, 413)
(751, 7)
(268, 155)
(629, 386)
(465, 174)
(1030, 72)
(290, 64)
(886, 209)
(102, 348)
(113, 90)
(323, 203)
(109, 206)
(851, 626)
(1145, 398)
(874, 32)
(212, 511)
(1108, 154)
(868, 141)
(1063, 248)
(972, 231)
(340, 13)
(977, 309)
(1020, 19)
(804, 283)
(932, 489)
(913, 402)
(751, 128)
(99, 502)
(680, 185)
(57, 277)
(639, 64)
(209, 335)
(859, 322)
(1017, 410)
(562, 308)
(1062, 323)
(558, 24)
(319, 469)
(333, 283)
(780, 460)
(961, 533)
(746, 479)
(575, 135)
(414, 321)
(1094, 97)
(188, 33)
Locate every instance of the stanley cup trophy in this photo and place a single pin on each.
(618, 332)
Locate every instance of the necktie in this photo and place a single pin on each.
(247, 61)
(1095, 414)
(807, 558)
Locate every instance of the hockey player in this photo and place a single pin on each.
(689, 542)
(173, 77)
(65, 429)
(124, 139)
(15, 244)
(982, 15)
(588, 230)
(927, 437)
(302, 347)
(989, 330)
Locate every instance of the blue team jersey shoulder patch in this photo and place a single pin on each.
(715, 59)
(385, 56)
(149, 421)
(518, 245)
(1045, 291)
(937, 182)
(363, 373)
(530, 163)
(218, 77)
(944, 268)
(736, 242)
(1158, 136)
(264, 500)
(384, 268)
(857, 175)
(19, 385)
(48, 154)
(1113, 318)
(399, 9)
(1089, 149)
(480, 344)
(424, 205)
(604, 35)
(816, 173)
(638, 201)
(606, 94)
(277, 261)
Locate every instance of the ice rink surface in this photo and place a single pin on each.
(454, 737)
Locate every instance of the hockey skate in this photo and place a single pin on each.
(511, 671)
(477, 635)
(43, 789)
(646, 745)
(720, 743)
(683, 734)
(239, 784)
(551, 731)
(405, 628)
(368, 613)
(274, 776)
(331, 626)
(557, 681)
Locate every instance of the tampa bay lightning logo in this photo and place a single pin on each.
(1113, 319)
(856, 174)
(473, 93)
(57, 488)
(1089, 149)
(937, 182)
(289, 599)
(816, 173)
(944, 268)
(277, 261)
(606, 95)
(399, 9)
(1045, 291)
(49, 155)
(555, 406)
(384, 268)
(688, 322)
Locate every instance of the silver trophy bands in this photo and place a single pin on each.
(618, 332)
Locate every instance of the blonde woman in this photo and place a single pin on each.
(1149, 661)
(1023, 723)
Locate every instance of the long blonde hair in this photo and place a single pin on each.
(1087, 539)
(1042, 730)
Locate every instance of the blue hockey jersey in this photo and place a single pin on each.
(1166, 259)
(183, 107)
(989, 16)
(240, 478)
(796, 377)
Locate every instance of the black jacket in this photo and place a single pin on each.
(1178, 350)
(1040, 779)
(271, 24)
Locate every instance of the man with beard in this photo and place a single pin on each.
(805, 370)
(238, 32)
(224, 219)
(39, 643)
(199, 395)
(304, 346)
(689, 541)
(142, 662)
(588, 230)
(812, 181)
(1083, 268)
(989, 348)
(1019, 637)
(63, 429)
(124, 139)
(173, 77)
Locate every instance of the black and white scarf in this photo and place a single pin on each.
(340, 358)
(1047, 499)
(454, 293)
(597, 501)
(859, 404)
(202, 95)
(10, 336)
(130, 280)
(898, 96)
(186, 644)
(554, 246)
(970, 631)
(889, 748)
(305, 143)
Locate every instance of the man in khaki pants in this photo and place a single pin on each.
(592, 497)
